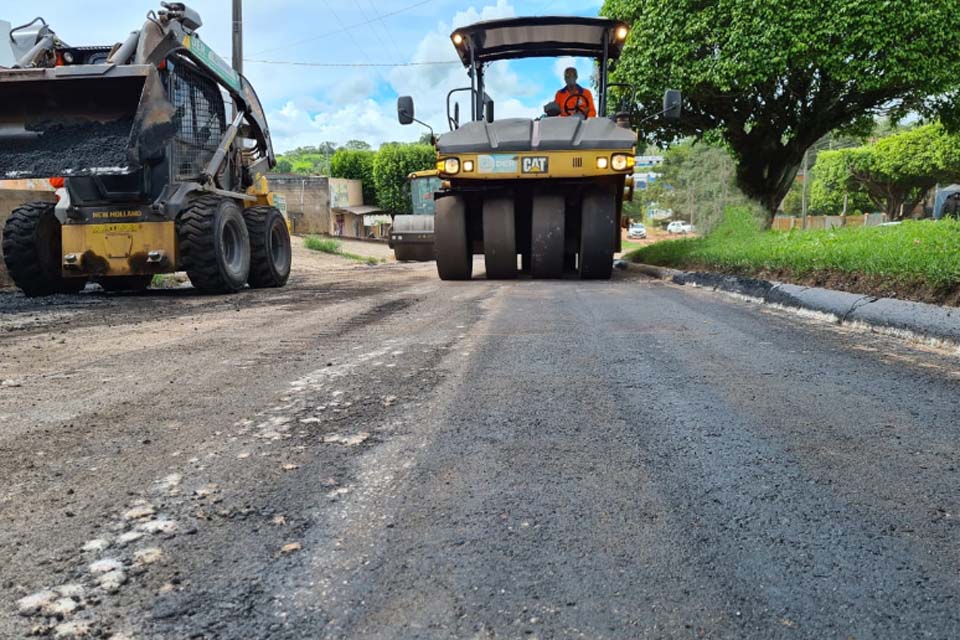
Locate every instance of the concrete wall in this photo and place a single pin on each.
(308, 200)
(13, 193)
(346, 193)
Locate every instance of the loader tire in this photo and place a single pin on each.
(214, 244)
(32, 250)
(270, 252)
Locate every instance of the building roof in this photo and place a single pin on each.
(539, 37)
(360, 210)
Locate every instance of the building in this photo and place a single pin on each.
(307, 199)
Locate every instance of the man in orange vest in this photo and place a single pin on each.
(574, 99)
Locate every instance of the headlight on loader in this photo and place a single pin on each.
(621, 162)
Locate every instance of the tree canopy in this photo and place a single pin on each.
(895, 172)
(771, 78)
(393, 164)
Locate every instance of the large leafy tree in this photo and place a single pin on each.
(897, 171)
(393, 165)
(832, 189)
(771, 78)
(356, 164)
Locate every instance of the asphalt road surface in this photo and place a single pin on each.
(371, 453)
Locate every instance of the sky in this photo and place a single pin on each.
(307, 105)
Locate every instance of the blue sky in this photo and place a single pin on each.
(307, 105)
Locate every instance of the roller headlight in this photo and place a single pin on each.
(451, 166)
(602, 163)
(467, 166)
(620, 162)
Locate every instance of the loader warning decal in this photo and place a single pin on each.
(534, 164)
(497, 164)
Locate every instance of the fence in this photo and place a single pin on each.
(784, 223)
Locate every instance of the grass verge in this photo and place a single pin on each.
(916, 260)
(332, 246)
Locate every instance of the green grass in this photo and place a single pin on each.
(335, 247)
(923, 252)
(326, 245)
(631, 246)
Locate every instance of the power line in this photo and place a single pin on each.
(352, 64)
(383, 25)
(345, 28)
(360, 47)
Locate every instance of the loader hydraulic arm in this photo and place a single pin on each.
(40, 39)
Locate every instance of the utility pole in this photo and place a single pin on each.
(806, 162)
(238, 36)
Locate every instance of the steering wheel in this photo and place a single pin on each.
(580, 105)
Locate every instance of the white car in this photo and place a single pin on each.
(637, 231)
(678, 226)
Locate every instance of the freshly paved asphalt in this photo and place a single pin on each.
(565, 459)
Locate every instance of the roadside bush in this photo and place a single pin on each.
(394, 162)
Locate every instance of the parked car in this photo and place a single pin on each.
(637, 231)
(679, 226)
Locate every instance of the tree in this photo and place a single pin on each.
(283, 165)
(394, 163)
(696, 182)
(831, 190)
(897, 171)
(771, 78)
(356, 165)
(357, 145)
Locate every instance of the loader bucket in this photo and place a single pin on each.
(83, 120)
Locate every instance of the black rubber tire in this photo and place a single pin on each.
(547, 242)
(454, 257)
(499, 238)
(126, 283)
(214, 244)
(33, 249)
(598, 231)
(270, 252)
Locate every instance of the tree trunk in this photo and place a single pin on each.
(767, 176)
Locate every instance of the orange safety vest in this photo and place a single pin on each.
(564, 93)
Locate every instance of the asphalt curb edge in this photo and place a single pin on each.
(924, 320)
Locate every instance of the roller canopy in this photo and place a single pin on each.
(538, 37)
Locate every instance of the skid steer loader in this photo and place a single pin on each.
(156, 175)
(411, 236)
(551, 189)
